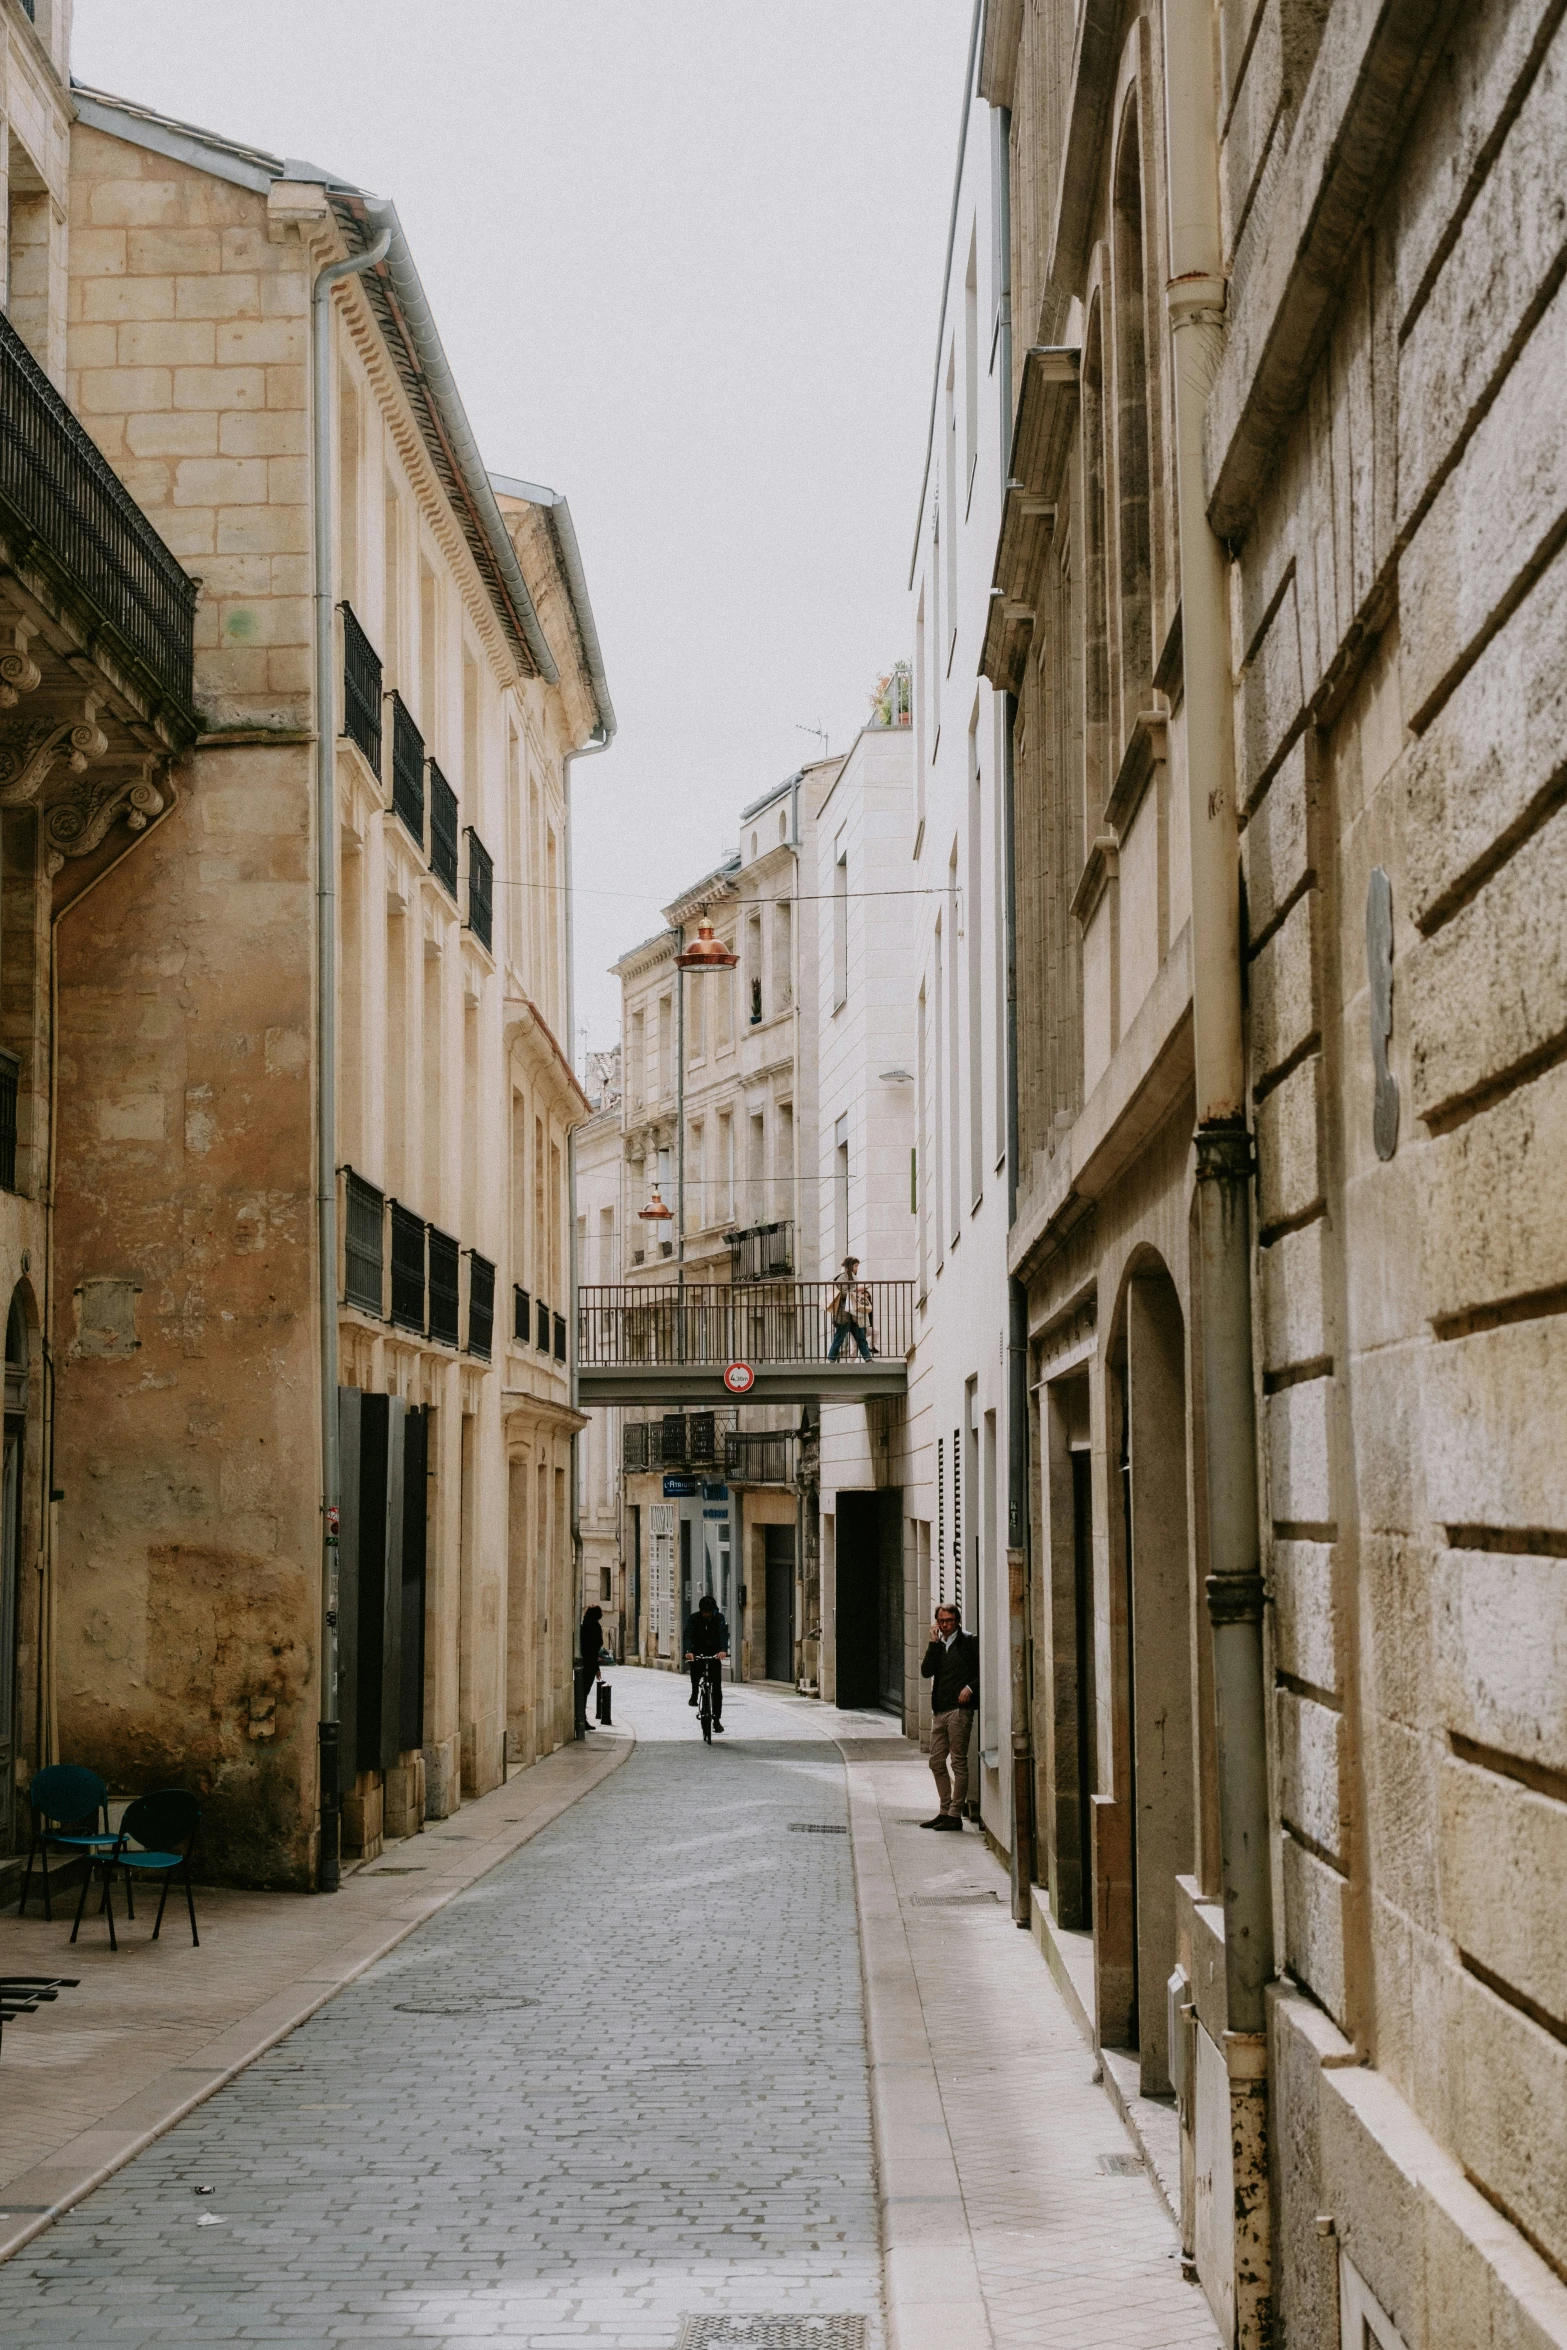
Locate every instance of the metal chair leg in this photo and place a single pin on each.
(162, 1898)
(82, 1901)
(190, 1904)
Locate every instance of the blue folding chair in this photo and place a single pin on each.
(162, 1827)
(70, 1814)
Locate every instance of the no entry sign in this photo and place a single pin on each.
(739, 1378)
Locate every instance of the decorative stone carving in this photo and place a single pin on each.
(19, 672)
(75, 825)
(29, 753)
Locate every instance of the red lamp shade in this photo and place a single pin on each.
(655, 1212)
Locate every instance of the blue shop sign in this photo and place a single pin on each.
(678, 1488)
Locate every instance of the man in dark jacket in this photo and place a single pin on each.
(707, 1635)
(951, 1666)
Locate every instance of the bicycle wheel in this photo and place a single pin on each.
(705, 1708)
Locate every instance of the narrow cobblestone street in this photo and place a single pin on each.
(622, 2081)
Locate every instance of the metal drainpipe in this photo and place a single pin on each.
(329, 1859)
(1195, 298)
(1022, 1855)
(600, 740)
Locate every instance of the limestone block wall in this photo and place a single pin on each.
(1399, 643)
(182, 1323)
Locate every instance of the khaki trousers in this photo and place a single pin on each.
(949, 1735)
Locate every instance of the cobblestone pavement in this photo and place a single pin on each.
(671, 2119)
(623, 2080)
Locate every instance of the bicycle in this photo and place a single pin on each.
(704, 1694)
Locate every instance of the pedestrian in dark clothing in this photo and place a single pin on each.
(951, 1666)
(591, 1647)
(707, 1635)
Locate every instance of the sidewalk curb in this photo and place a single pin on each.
(137, 2139)
(930, 2276)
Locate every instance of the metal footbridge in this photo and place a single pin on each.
(737, 1342)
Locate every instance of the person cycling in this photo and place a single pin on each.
(707, 1636)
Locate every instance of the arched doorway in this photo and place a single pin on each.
(17, 1352)
(1151, 1645)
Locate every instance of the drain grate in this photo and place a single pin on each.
(841, 2331)
(463, 2003)
(1122, 2166)
(417, 1871)
(814, 1828)
(951, 1900)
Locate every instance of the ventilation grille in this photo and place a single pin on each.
(838, 2332)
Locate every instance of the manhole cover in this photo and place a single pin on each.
(1122, 2166)
(951, 1900)
(814, 1828)
(463, 2003)
(838, 2332)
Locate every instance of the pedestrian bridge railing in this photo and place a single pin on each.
(626, 1326)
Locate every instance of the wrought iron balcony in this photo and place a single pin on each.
(443, 830)
(481, 1305)
(762, 1252)
(361, 689)
(760, 1456)
(680, 1440)
(407, 769)
(444, 1292)
(481, 889)
(364, 1245)
(778, 1322)
(667, 1343)
(407, 1269)
(63, 503)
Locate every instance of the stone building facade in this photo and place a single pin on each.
(713, 1500)
(1276, 601)
(183, 1591)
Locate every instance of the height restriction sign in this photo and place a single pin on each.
(739, 1378)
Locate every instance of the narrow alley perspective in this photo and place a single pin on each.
(783, 1086)
(830, 2047)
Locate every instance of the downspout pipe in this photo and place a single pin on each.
(1195, 298)
(329, 1854)
(1022, 1855)
(603, 735)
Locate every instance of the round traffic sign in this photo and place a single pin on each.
(739, 1378)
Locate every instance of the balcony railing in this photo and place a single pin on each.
(444, 1293)
(443, 830)
(481, 889)
(521, 1315)
(10, 1074)
(623, 1326)
(760, 1456)
(364, 1245)
(633, 1445)
(407, 769)
(762, 1252)
(57, 486)
(481, 1305)
(361, 689)
(407, 1269)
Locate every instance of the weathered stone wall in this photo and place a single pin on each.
(1398, 601)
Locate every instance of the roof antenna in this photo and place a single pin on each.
(820, 733)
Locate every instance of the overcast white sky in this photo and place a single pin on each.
(686, 259)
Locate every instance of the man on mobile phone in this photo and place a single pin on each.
(951, 1665)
